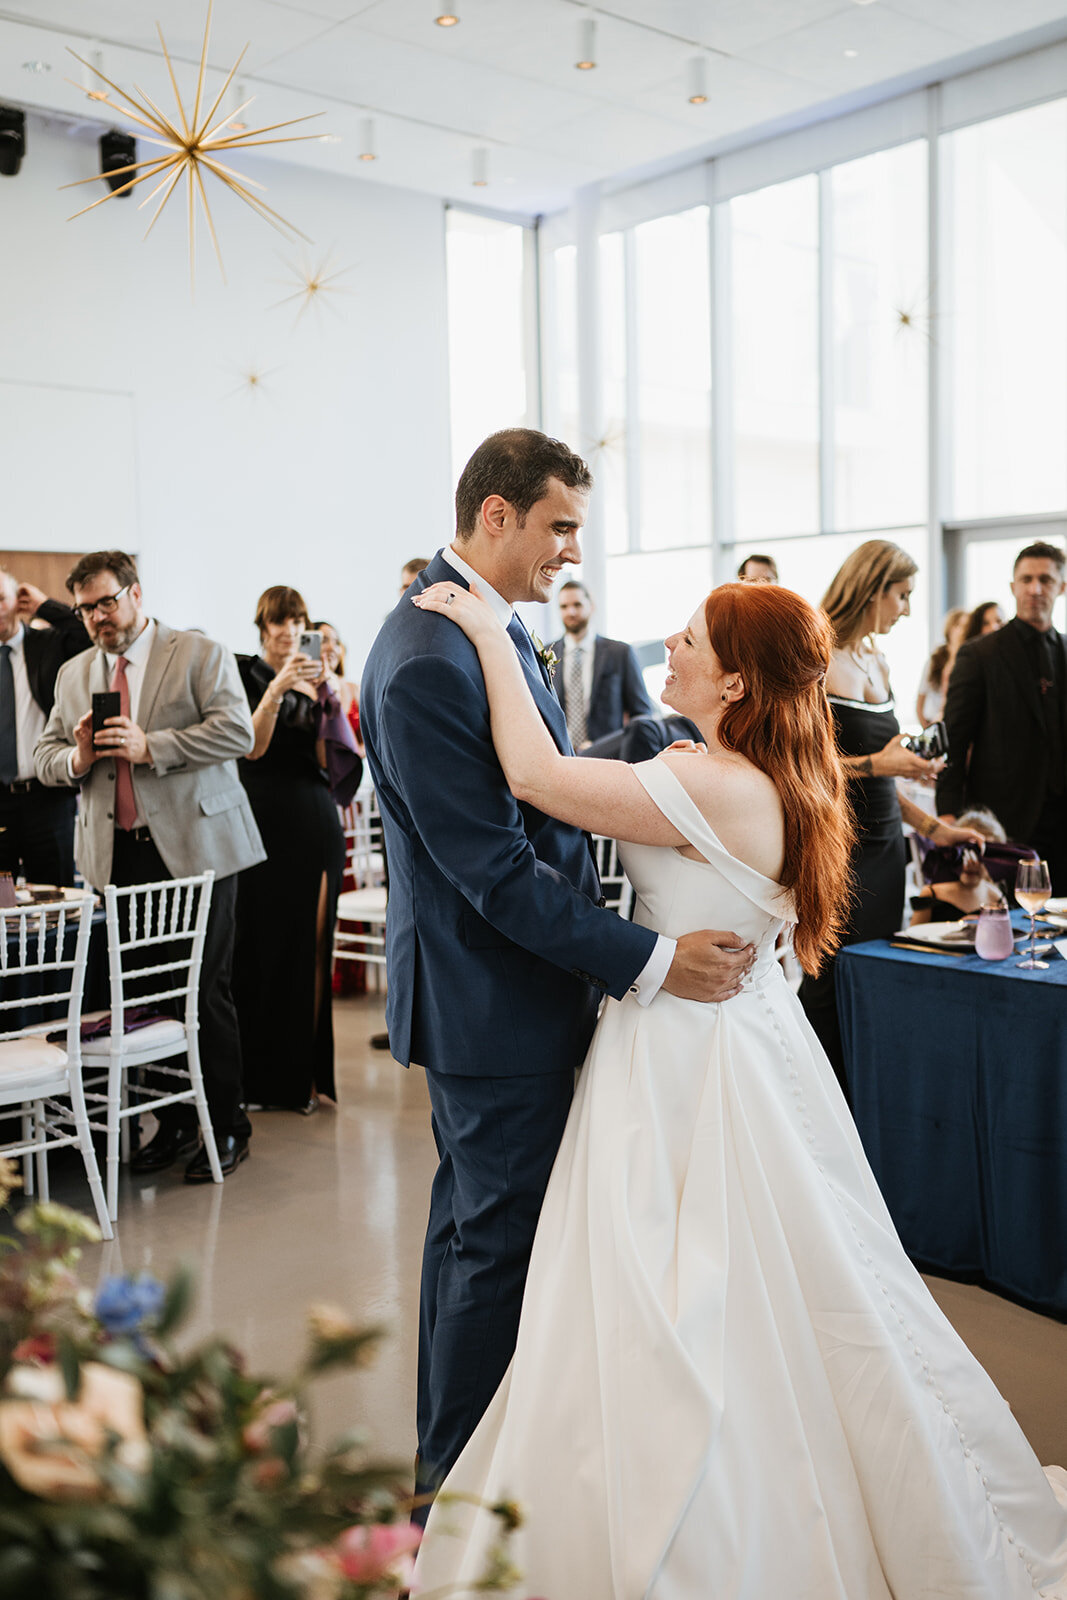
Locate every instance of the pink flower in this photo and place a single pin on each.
(370, 1555)
(39, 1350)
(274, 1413)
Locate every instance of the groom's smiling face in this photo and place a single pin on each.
(535, 551)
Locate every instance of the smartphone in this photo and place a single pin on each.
(311, 645)
(106, 704)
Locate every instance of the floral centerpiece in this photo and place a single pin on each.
(132, 1470)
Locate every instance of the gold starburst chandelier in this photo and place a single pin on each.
(313, 283)
(192, 144)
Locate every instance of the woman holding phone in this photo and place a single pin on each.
(287, 905)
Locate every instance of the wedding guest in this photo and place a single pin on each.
(1006, 715)
(410, 571)
(598, 681)
(867, 597)
(36, 823)
(287, 906)
(333, 659)
(986, 618)
(938, 670)
(758, 569)
(973, 890)
(161, 798)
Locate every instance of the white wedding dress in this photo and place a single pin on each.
(729, 1382)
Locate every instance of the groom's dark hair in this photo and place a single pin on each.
(516, 464)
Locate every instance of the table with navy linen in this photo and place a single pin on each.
(957, 1069)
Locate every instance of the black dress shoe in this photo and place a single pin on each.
(232, 1151)
(170, 1143)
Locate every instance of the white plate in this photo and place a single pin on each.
(25, 896)
(953, 935)
(1057, 907)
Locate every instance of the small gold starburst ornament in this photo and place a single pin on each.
(312, 285)
(192, 144)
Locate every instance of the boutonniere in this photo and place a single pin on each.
(549, 658)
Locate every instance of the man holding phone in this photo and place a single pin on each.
(36, 824)
(160, 798)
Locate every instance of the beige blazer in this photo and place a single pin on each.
(194, 712)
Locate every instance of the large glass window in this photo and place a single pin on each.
(487, 341)
(775, 320)
(1006, 331)
(673, 390)
(608, 456)
(881, 336)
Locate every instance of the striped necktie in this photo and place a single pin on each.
(575, 686)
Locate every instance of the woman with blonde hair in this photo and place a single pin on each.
(728, 1380)
(867, 597)
(938, 670)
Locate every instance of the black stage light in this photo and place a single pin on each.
(117, 151)
(12, 140)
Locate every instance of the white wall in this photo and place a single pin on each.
(329, 478)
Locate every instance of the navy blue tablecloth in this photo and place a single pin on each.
(958, 1074)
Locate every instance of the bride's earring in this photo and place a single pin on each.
(724, 697)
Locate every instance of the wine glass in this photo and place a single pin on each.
(1032, 890)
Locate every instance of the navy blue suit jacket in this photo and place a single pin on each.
(617, 690)
(498, 952)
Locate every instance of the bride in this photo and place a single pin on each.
(729, 1381)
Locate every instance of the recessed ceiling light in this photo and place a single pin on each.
(37, 66)
(329, 138)
(447, 19)
(851, 53)
(586, 46)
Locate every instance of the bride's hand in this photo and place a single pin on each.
(686, 745)
(464, 607)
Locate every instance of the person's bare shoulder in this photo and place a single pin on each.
(723, 782)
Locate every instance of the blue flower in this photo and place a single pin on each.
(125, 1305)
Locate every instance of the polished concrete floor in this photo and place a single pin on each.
(332, 1208)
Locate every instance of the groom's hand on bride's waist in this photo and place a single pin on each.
(709, 966)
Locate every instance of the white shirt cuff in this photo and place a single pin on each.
(71, 753)
(649, 981)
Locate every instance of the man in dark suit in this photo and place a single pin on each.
(498, 950)
(36, 823)
(598, 680)
(1006, 717)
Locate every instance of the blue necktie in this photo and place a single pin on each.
(524, 644)
(9, 747)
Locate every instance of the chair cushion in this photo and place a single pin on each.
(33, 1054)
(162, 1035)
(362, 905)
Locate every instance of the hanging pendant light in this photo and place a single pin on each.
(480, 168)
(698, 81)
(586, 45)
(367, 148)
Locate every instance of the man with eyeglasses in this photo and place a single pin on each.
(36, 824)
(161, 798)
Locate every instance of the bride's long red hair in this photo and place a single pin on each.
(781, 647)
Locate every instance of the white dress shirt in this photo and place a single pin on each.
(649, 980)
(136, 660)
(29, 718)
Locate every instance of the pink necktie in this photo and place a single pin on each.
(125, 804)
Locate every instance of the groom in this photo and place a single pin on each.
(498, 948)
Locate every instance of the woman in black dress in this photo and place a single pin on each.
(867, 597)
(286, 906)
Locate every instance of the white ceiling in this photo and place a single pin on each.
(505, 79)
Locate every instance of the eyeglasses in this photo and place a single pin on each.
(106, 604)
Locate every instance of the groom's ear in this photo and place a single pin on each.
(494, 514)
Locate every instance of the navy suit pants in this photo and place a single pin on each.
(497, 1139)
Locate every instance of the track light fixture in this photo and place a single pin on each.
(118, 153)
(12, 140)
(447, 19)
(480, 168)
(698, 81)
(586, 45)
(367, 150)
